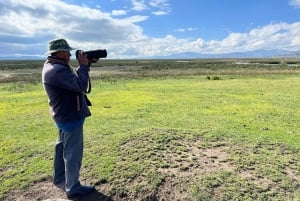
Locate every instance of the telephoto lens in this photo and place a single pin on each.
(93, 54)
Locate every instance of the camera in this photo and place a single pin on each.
(93, 54)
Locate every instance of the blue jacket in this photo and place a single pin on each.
(66, 90)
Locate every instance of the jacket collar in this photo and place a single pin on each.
(56, 60)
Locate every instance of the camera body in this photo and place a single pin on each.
(93, 54)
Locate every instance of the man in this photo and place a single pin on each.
(66, 93)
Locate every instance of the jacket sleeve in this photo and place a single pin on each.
(65, 78)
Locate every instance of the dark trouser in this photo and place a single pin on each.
(68, 158)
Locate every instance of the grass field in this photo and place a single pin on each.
(164, 132)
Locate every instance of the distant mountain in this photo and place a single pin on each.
(249, 54)
(194, 55)
(21, 57)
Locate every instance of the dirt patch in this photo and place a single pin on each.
(291, 174)
(46, 191)
(173, 189)
(196, 161)
(39, 191)
(171, 161)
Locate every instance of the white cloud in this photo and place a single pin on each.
(158, 13)
(162, 4)
(35, 22)
(142, 5)
(295, 3)
(272, 36)
(138, 5)
(180, 30)
(186, 29)
(30, 19)
(118, 12)
(134, 19)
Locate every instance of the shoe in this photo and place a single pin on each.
(81, 191)
(60, 186)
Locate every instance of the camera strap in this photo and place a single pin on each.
(88, 102)
(89, 88)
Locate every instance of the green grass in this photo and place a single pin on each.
(237, 138)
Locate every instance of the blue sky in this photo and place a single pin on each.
(141, 28)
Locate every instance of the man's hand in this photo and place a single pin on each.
(82, 59)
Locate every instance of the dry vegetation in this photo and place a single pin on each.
(12, 71)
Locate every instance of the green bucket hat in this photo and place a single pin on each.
(58, 45)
